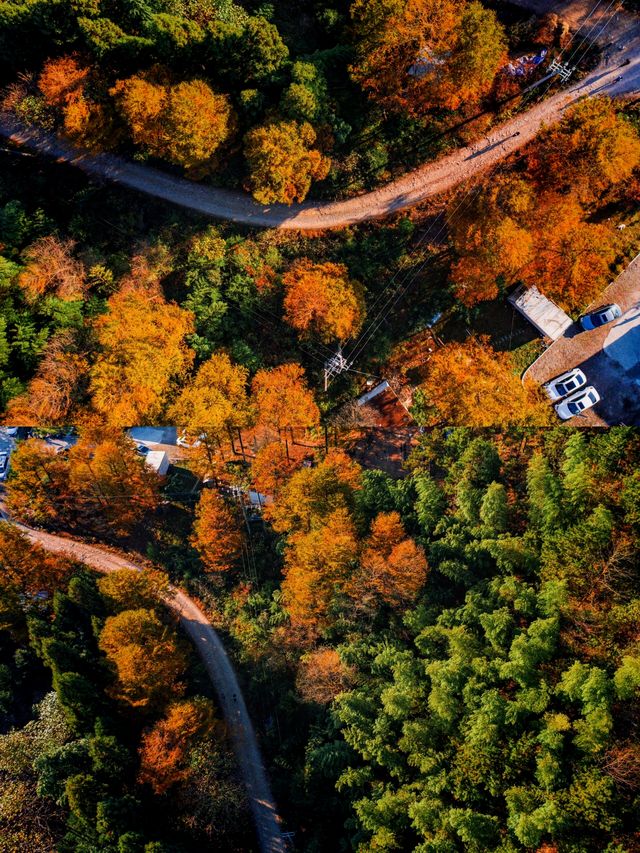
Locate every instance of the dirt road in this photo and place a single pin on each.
(411, 189)
(220, 671)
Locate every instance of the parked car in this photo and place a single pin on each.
(600, 317)
(577, 403)
(142, 449)
(4, 462)
(565, 384)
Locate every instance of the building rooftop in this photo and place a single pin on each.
(541, 312)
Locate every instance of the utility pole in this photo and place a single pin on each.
(334, 366)
(561, 69)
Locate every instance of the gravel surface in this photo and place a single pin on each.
(429, 180)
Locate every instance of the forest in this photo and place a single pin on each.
(93, 292)
(274, 97)
(443, 661)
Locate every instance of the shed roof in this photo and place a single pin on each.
(541, 312)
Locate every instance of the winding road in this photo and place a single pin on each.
(219, 669)
(620, 42)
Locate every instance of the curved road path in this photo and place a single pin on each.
(218, 667)
(411, 189)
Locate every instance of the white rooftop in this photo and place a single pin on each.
(158, 460)
(549, 320)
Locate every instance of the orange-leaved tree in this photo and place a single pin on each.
(164, 749)
(146, 655)
(58, 390)
(512, 234)
(38, 490)
(282, 161)
(217, 534)
(283, 399)
(111, 487)
(26, 569)
(492, 237)
(62, 80)
(322, 301)
(143, 355)
(471, 384)
(318, 564)
(572, 257)
(51, 270)
(593, 148)
(393, 568)
(322, 676)
(311, 494)
(414, 55)
(271, 467)
(65, 85)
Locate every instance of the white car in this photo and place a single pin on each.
(4, 465)
(577, 403)
(600, 317)
(565, 384)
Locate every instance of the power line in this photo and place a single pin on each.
(372, 327)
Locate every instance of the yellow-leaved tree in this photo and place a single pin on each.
(143, 355)
(184, 123)
(216, 399)
(283, 162)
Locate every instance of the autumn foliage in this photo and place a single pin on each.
(283, 162)
(59, 386)
(184, 123)
(51, 270)
(415, 55)
(471, 384)
(535, 227)
(111, 485)
(271, 468)
(65, 84)
(283, 398)
(102, 484)
(312, 494)
(26, 569)
(165, 747)
(322, 301)
(216, 398)
(143, 355)
(216, 533)
(322, 676)
(318, 563)
(125, 589)
(393, 567)
(146, 657)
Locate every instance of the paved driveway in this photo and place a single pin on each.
(609, 356)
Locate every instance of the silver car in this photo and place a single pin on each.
(565, 384)
(600, 317)
(577, 403)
